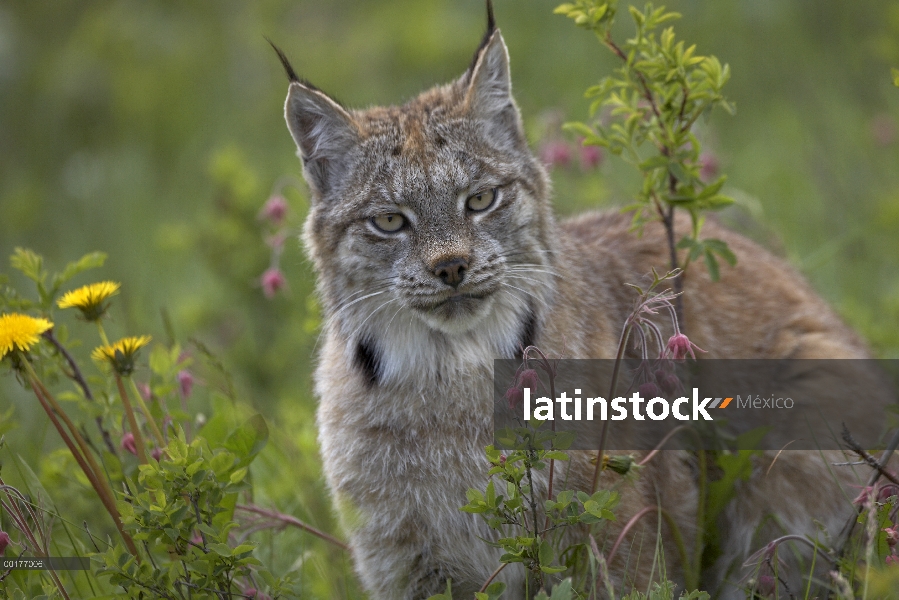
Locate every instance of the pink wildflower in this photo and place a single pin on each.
(186, 382)
(272, 281)
(514, 396)
(274, 209)
(129, 444)
(591, 157)
(555, 154)
(708, 167)
(680, 345)
(528, 379)
(4, 541)
(649, 390)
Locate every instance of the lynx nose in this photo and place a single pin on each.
(452, 272)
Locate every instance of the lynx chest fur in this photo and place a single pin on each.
(433, 238)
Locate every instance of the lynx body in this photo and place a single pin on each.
(436, 249)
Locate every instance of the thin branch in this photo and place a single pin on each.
(293, 521)
(79, 379)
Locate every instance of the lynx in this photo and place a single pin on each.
(432, 234)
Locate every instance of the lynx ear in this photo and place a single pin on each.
(489, 94)
(323, 131)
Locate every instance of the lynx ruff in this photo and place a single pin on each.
(433, 238)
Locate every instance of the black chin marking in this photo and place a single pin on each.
(367, 361)
(528, 334)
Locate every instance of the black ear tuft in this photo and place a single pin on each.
(491, 27)
(291, 74)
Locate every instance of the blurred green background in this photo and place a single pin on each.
(153, 131)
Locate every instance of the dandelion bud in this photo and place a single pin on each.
(186, 382)
(679, 346)
(649, 390)
(591, 157)
(619, 463)
(272, 281)
(129, 444)
(274, 209)
(4, 542)
(528, 379)
(555, 154)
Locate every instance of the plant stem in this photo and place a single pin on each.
(79, 379)
(101, 487)
(160, 440)
(622, 343)
(132, 422)
(293, 521)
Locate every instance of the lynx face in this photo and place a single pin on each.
(429, 221)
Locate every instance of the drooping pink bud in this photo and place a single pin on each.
(668, 382)
(708, 167)
(555, 154)
(274, 209)
(272, 281)
(129, 444)
(256, 594)
(679, 346)
(157, 453)
(145, 391)
(892, 559)
(276, 241)
(649, 390)
(4, 541)
(185, 382)
(591, 157)
(892, 536)
(766, 585)
(528, 379)
(514, 397)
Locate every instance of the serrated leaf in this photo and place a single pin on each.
(92, 260)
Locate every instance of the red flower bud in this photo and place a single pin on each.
(4, 541)
(186, 382)
(680, 345)
(272, 281)
(528, 379)
(555, 154)
(274, 209)
(591, 157)
(649, 390)
(129, 444)
(514, 396)
(766, 585)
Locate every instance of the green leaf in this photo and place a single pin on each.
(711, 264)
(92, 260)
(248, 439)
(579, 128)
(29, 263)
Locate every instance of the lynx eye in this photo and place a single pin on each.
(481, 201)
(389, 223)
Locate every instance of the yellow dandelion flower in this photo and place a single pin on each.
(20, 331)
(121, 354)
(89, 299)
